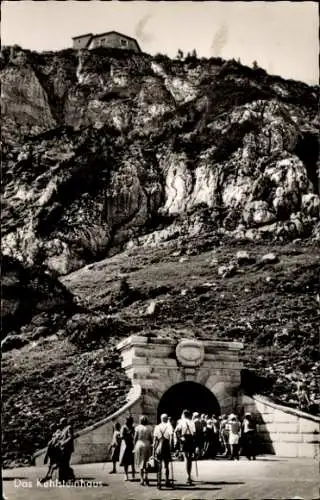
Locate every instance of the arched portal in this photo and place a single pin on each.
(188, 395)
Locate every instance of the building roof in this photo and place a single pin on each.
(81, 36)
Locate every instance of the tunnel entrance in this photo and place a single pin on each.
(188, 395)
(307, 149)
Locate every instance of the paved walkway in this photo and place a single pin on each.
(266, 478)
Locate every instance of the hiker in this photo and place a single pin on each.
(177, 445)
(143, 448)
(171, 425)
(126, 449)
(185, 432)
(115, 447)
(209, 450)
(234, 436)
(303, 398)
(248, 437)
(162, 442)
(66, 446)
(216, 429)
(198, 437)
(224, 435)
(53, 453)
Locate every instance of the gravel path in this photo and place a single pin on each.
(266, 478)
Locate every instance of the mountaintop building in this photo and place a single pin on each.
(111, 39)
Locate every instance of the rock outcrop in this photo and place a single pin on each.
(103, 147)
(30, 295)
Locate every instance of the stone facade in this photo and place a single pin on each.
(157, 364)
(82, 41)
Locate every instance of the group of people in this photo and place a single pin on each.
(225, 435)
(193, 437)
(143, 448)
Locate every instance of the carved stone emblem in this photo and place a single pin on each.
(190, 353)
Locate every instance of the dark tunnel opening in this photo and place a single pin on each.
(307, 149)
(188, 395)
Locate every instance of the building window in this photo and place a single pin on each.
(123, 42)
(102, 41)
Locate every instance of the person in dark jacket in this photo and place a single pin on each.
(208, 449)
(66, 445)
(53, 453)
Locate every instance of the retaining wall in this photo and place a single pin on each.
(282, 430)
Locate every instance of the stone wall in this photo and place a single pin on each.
(284, 431)
(81, 42)
(114, 40)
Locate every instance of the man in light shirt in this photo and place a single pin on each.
(198, 438)
(185, 432)
(249, 437)
(162, 442)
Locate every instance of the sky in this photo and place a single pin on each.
(281, 36)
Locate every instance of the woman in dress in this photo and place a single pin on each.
(115, 447)
(224, 435)
(234, 436)
(126, 448)
(143, 439)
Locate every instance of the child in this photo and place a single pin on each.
(115, 447)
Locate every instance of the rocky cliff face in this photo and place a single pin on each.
(186, 180)
(107, 148)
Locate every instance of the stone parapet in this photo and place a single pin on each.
(284, 431)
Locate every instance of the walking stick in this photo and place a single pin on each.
(172, 478)
(196, 465)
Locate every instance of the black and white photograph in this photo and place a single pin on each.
(160, 250)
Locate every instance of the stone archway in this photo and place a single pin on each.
(188, 395)
(157, 364)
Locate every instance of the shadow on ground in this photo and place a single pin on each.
(15, 478)
(219, 483)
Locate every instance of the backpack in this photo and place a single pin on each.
(163, 446)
